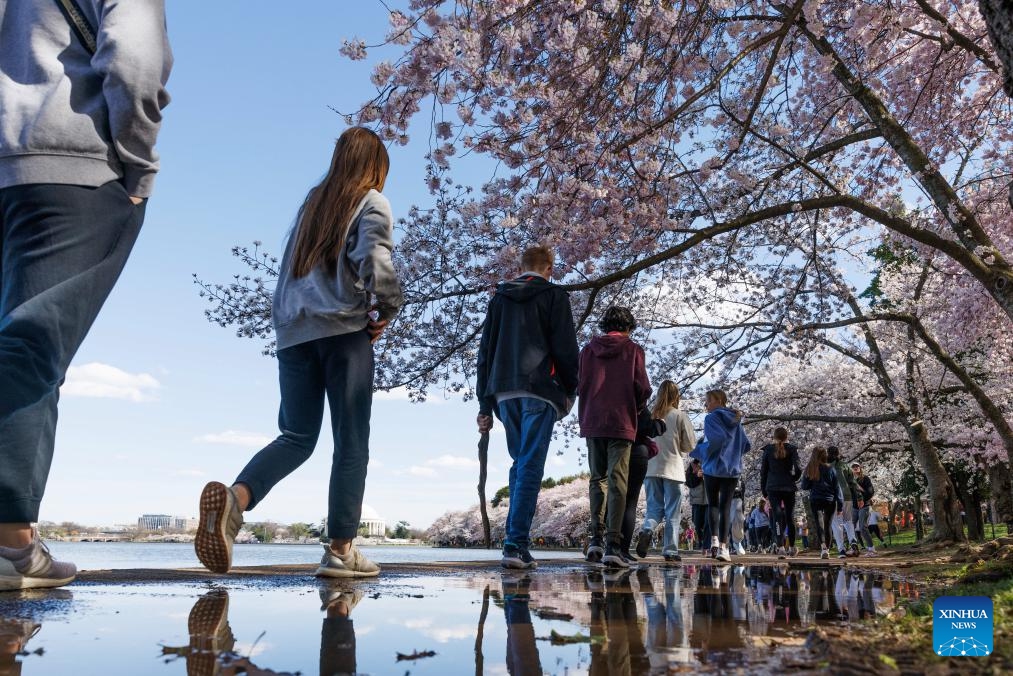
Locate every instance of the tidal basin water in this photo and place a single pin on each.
(563, 618)
(121, 555)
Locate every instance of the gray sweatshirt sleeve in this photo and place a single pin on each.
(134, 59)
(371, 255)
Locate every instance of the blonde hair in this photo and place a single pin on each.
(668, 399)
(719, 396)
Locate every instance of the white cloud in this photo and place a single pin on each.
(187, 472)
(447, 634)
(235, 438)
(447, 460)
(397, 394)
(415, 470)
(108, 382)
(249, 650)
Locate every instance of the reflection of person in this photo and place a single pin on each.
(667, 639)
(15, 632)
(522, 653)
(698, 503)
(80, 114)
(624, 651)
(527, 374)
(336, 291)
(337, 637)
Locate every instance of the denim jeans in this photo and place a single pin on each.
(664, 501)
(862, 526)
(609, 463)
(340, 368)
(528, 424)
(522, 651)
(844, 526)
(62, 248)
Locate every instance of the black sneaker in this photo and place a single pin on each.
(613, 557)
(855, 549)
(672, 555)
(517, 557)
(644, 542)
(595, 551)
(628, 558)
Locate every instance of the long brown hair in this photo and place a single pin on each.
(719, 396)
(359, 164)
(780, 437)
(668, 398)
(819, 457)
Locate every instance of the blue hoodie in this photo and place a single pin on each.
(724, 443)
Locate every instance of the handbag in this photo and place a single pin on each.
(79, 23)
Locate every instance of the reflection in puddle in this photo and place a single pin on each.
(560, 619)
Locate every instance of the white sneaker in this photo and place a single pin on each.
(352, 564)
(740, 550)
(715, 546)
(723, 554)
(824, 553)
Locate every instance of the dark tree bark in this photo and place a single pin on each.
(1002, 491)
(946, 524)
(999, 19)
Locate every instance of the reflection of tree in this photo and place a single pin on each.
(480, 633)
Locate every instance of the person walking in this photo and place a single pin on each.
(666, 473)
(720, 452)
(698, 504)
(644, 448)
(613, 386)
(864, 504)
(527, 375)
(335, 273)
(844, 524)
(873, 526)
(780, 470)
(80, 110)
(825, 495)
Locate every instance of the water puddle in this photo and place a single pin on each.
(558, 620)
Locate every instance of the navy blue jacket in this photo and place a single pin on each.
(779, 474)
(826, 488)
(528, 344)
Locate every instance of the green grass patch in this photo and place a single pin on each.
(906, 537)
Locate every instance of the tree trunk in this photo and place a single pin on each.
(999, 19)
(891, 526)
(971, 505)
(919, 521)
(946, 523)
(1002, 491)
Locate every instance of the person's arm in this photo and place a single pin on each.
(563, 343)
(371, 256)
(764, 463)
(641, 382)
(839, 495)
(714, 431)
(796, 466)
(686, 435)
(133, 57)
(871, 490)
(486, 347)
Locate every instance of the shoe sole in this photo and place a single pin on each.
(614, 562)
(324, 571)
(211, 544)
(20, 582)
(594, 556)
(206, 619)
(517, 564)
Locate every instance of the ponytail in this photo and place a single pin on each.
(780, 438)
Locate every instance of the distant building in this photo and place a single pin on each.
(166, 522)
(373, 522)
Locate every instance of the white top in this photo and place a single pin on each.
(673, 446)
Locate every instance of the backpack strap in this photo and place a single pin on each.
(79, 23)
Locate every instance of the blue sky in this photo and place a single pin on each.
(159, 401)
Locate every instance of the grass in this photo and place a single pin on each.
(906, 537)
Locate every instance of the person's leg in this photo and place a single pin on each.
(673, 510)
(712, 486)
(62, 248)
(655, 490)
(510, 414)
(829, 512)
(347, 362)
(302, 384)
(638, 474)
(777, 517)
(618, 451)
(789, 516)
(838, 531)
(726, 493)
(848, 522)
(597, 465)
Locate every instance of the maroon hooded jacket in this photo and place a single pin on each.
(612, 385)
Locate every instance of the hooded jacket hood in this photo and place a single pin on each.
(608, 346)
(524, 288)
(724, 444)
(727, 417)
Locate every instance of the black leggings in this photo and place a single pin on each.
(719, 497)
(634, 482)
(784, 518)
(823, 509)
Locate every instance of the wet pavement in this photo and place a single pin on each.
(563, 618)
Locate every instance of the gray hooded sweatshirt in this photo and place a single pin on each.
(322, 304)
(72, 118)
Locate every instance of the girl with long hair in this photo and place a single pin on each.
(720, 452)
(779, 472)
(666, 473)
(335, 294)
(825, 496)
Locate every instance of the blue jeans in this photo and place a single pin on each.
(528, 423)
(340, 368)
(62, 248)
(664, 501)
